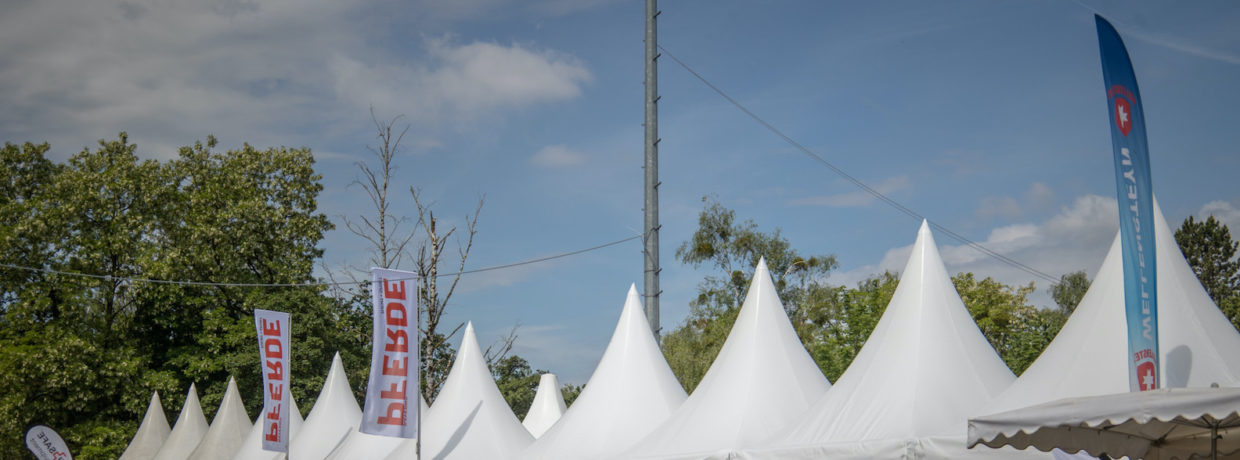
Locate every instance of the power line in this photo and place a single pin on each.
(857, 182)
(318, 284)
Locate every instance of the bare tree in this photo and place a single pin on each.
(383, 232)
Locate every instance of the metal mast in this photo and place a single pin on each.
(650, 250)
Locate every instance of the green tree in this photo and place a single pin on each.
(840, 323)
(1017, 330)
(1210, 251)
(517, 382)
(1069, 290)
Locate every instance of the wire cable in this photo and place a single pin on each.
(317, 284)
(857, 182)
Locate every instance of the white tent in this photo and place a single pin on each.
(365, 445)
(335, 413)
(191, 426)
(1197, 344)
(252, 446)
(547, 407)
(469, 419)
(632, 391)
(152, 433)
(909, 392)
(1166, 423)
(761, 381)
(228, 429)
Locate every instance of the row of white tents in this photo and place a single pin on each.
(910, 392)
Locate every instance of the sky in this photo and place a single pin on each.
(988, 118)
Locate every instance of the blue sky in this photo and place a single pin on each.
(989, 118)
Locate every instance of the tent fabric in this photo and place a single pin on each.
(909, 392)
(152, 432)
(190, 427)
(761, 381)
(1124, 424)
(1197, 343)
(228, 429)
(365, 445)
(547, 407)
(631, 391)
(944, 447)
(335, 412)
(470, 418)
(252, 446)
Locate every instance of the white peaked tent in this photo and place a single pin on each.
(364, 445)
(151, 433)
(632, 391)
(547, 407)
(761, 381)
(908, 394)
(469, 419)
(191, 426)
(1197, 344)
(335, 413)
(228, 429)
(252, 446)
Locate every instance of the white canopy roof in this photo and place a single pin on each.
(547, 407)
(469, 419)
(152, 432)
(228, 429)
(909, 392)
(365, 445)
(1198, 345)
(252, 446)
(761, 381)
(1166, 423)
(335, 413)
(191, 426)
(632, 391)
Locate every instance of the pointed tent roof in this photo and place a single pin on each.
(365, 445)
(191, 426)
(227, 430)
(252, 446)
(547, 407)
(470, 419)
(632, 391)
(1197, 343)
(151, 433)
(761, 381)
(335, 412)
(922, 372)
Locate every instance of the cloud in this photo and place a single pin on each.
(1038, 197)
(1076, 238)
(855, 199)
(557, 156)
(258, 71)
(1225, 213)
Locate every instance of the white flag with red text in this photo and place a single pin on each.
(393, 393)
(273, 352)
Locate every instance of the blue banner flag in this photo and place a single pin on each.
(1136, 208)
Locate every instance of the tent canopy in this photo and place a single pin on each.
(547, 407)
(335, 413)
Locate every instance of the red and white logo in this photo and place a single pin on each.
(1146, 378)
(1123, 115)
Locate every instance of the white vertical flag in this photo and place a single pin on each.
(393, 392)
(273, 350)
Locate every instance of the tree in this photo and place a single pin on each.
(840, 323)
(1017, 330)
(1210, 251)
(1069, 290)
(517, 382)
(383, 231)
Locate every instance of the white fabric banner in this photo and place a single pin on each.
(273, 350)
(46, 444)
(393, 392)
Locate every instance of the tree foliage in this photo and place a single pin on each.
(1069, 291)
(1210, 251)
(83, 354)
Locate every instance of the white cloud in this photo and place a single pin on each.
(262, 71)
(1076, 238)
(855, 199)
(1038, 197)
(557, 156)
(1225, 213)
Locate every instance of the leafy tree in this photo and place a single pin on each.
(1069, 290)
(1210, 251)
(1017, 330)
(570, 393)
(841, 322)
(517, 382)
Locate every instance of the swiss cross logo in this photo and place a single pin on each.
(1123, 115)
(1146, 379)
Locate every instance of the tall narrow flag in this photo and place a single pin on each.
(393, 393)
(273, 349)
(1136, 208)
